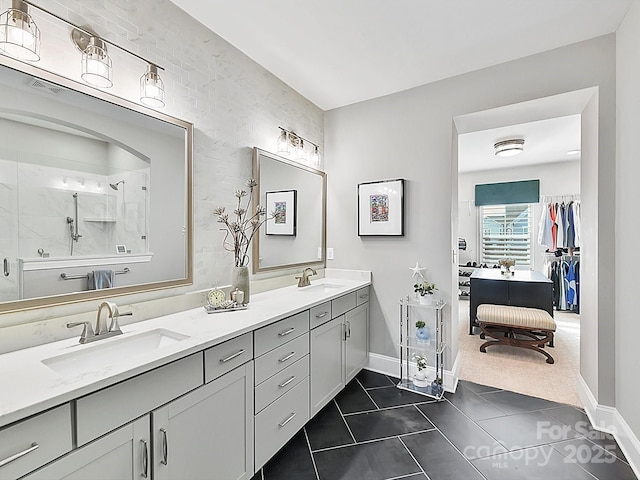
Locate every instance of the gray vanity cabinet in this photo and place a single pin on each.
(207, 433)
(357, 340)
(339, 347)
(123, 454)
(327, 362)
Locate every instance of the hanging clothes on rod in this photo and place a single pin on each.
(564, 272)
(559, 225)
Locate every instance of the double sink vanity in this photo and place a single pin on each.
(184, 394)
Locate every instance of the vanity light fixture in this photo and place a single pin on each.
(19, 34)
(152, 88)
(300, 153)
(20, 38)
(509, 148)
(288, 141)
(283, 143)
(315, 157)
(97, 69)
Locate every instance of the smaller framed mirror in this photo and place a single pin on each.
(294, 195)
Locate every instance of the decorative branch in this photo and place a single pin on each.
(239, 233)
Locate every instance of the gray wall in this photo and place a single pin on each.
(627, 226)
(409, 135)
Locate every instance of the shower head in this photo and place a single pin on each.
(115, 185)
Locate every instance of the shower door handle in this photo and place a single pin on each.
(6, 265)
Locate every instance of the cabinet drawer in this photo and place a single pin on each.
(269, 337)
(280, 358)
(343, 304)
(225, 357)
(50, 431)
(281, 382)
(280, 421)
(103, 411)
(362, 295)
(320, 314)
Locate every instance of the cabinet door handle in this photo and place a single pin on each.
(284, 359)
(284, 384)
(286, 332)
(364, 295)
(34, 446)
(289, 418)
(348, 329)
(344, 332)
(323, 314)
(145, 459)
(7, 267)
(231, 357)
(165, 447)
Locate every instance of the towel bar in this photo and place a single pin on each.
(64, 276)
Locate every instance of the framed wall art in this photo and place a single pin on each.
(282, 205)
(381, 208)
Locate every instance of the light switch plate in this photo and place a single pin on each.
(329, 253)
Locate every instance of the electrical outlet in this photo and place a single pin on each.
(329, 253)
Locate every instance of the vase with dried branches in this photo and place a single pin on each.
(240, 227)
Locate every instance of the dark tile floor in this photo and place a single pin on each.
(374, 431)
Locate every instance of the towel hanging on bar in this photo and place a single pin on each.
(99, 279)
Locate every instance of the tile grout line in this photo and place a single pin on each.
(414, 458)
(364, 442)
(383, 409)
(478, 425)
(345, 422)
(313, 460)
(451, 443)
(365, 391)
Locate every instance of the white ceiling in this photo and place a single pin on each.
(338, 52)
(546, 141)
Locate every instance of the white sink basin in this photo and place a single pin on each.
(320, 287)
(114, 350)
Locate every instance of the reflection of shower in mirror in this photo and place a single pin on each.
(115, 185)
(73, 231)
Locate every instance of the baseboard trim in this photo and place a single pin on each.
(609, 420)
(629, 443)
(390, 366)
(601, 417)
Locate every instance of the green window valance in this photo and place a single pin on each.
(507, 193)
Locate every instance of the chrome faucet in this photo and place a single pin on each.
(101, 331)
(304, 281)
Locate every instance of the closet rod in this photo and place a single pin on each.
(560, 198)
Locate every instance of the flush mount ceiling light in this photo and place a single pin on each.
(509, 148)
(288, 141)
(19, 34)
(152, 88)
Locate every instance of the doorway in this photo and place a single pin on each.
(550, 134)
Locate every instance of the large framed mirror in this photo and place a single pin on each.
(294, 196)
(95, 193)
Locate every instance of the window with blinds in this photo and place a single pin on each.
(506, 232)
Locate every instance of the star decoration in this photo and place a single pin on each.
(417, 271)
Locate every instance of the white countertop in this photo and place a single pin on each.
(28, 386)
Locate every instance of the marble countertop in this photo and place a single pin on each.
(29, 386)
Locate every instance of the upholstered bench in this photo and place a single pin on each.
(508, 325)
